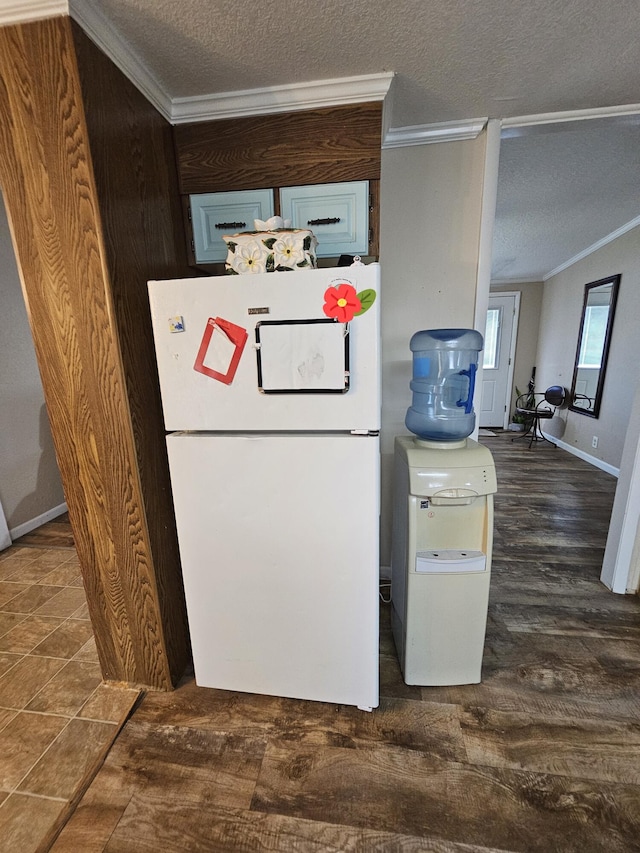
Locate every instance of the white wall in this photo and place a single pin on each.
(30, 484)
(430, 205)
(559, 325)
(621, 563)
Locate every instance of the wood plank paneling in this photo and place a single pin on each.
(137, 188)
(307, 147)
(84, 296)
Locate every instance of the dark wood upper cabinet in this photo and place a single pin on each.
(323, 146)
(306, 147)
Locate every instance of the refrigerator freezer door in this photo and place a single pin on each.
(281, 563)
(193, 399)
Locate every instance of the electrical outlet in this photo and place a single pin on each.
(594, 441)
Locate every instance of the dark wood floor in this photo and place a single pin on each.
(54, 534)
(543, 755)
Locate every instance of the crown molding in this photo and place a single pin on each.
(629, 226)
(13, 12)
(279, 99)
(92, 20)
(557, 122)
(526, 279)
(268, 100)
(425, 134)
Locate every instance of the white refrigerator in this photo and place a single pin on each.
(270, 386)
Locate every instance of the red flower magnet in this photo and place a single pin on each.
(341, 303)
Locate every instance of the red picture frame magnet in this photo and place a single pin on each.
(220, 350)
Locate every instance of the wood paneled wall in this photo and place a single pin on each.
(137, 190)
(289, 149)
(89, 180)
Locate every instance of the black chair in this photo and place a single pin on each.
(536, 407)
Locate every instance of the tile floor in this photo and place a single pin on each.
(57, 719)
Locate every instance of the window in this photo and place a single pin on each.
(491, 339)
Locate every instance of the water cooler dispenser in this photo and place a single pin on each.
(442, 536)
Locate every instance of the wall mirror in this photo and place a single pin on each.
(592, 351)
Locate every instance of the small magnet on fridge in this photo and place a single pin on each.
(176, 324)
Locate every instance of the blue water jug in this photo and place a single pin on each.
(445, 362)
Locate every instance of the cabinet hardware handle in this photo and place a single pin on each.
(231, 225)
(328, 221)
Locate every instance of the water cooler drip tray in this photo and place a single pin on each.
(440, 561)
(453, 497)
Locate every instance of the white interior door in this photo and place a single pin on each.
(499, 349)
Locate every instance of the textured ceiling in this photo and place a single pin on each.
(560, 192)
(453, 60)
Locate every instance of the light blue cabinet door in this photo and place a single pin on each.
(216, 214)
(338, 215)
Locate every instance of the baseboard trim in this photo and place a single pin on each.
(38, 521)
(592, 460)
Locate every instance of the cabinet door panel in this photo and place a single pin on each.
(216, 214)
(338, 215)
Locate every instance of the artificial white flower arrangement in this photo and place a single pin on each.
(273, 247)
